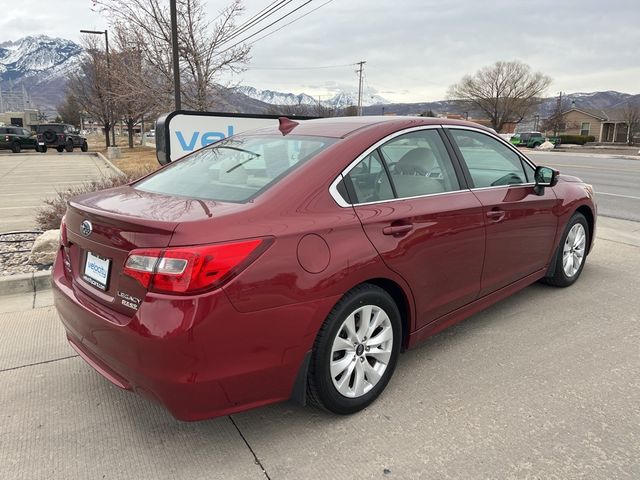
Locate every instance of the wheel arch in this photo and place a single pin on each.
(401, 299)
(588, 214)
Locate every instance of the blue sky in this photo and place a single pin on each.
(414, 49)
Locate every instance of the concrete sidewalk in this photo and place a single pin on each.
(542, 385)
(26, 179)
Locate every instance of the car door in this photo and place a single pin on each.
(29, 140)
(417, 212)
(521, 225)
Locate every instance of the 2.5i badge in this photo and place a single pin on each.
(129, 300)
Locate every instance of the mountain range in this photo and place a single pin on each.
(40, 65)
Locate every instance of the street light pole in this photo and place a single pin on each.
(174, 47)
(109, 103)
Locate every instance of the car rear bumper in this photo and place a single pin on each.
(198, 356)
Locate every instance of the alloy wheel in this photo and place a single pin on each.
(361, 351)
(573, 251)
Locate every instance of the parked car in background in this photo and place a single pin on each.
(527, 139)
(299, 261)
(61, 137)
(17, 138)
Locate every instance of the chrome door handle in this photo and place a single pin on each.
(496, 215)
(397, 229)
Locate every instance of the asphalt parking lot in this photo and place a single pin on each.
(543, 385)
(26, 179)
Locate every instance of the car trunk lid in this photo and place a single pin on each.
(103, 227)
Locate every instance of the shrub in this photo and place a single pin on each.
(577, 139)
(49, 216)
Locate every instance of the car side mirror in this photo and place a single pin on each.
(545, 177)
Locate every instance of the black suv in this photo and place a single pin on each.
(17, 138)
(61, 136)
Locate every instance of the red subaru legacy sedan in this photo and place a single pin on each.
(297, 262)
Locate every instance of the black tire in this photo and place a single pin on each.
(42, 149)
(84, 147)
(557, 276)
(69, 146)
(60, 148)
(321, 390)
(15, 147)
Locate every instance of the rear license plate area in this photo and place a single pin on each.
(96, 271)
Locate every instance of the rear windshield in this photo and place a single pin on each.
(236, 169)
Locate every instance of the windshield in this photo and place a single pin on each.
(236, 169)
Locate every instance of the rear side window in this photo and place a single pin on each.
(236, 169)
(369, 180)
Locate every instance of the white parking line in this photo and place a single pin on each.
(617, 195)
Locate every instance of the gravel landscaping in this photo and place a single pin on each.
(15, 249)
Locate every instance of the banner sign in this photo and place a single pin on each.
(182, 132)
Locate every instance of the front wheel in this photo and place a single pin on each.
(15, 148)
(69, 146)
(571, 254)
(356, 351)
(84, 147)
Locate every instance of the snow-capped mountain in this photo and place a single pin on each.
(277, 98)
(41, 64)
(339, 100)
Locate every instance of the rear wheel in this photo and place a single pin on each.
(42, 149)
(356, 351)
(15, 147)
(571, 254)
(60, 148)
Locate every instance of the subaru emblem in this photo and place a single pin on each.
(86, 228)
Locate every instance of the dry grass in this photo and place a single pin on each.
(136, 160)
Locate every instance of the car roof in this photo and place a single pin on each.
(341, 127)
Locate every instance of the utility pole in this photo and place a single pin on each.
(359, 72)
(176, 61)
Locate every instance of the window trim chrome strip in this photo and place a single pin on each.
(333, 188)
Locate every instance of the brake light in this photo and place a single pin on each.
(192, 269)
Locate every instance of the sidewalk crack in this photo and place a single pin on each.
(37, 363)
(255, 457)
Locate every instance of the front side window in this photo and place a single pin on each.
(235, 169)
(489, 162)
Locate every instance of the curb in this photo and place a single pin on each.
(108, 162)
(25, 283)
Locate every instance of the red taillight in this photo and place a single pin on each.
(191, 269)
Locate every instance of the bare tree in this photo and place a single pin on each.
(89, 85)
(131, 94)
(631, 116)
(504, 91)
(556, 122)
(206, 48)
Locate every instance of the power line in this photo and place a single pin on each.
(264, 28)
(303, 68)
(292, 21)
(256, 19)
